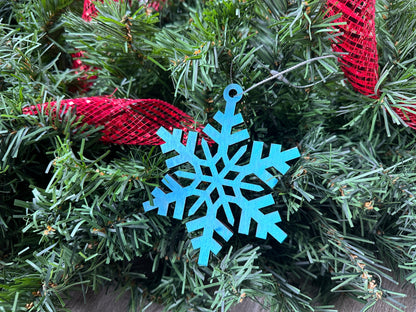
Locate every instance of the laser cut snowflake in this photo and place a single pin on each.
(218, 181)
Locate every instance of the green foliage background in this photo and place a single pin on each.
(71, 212)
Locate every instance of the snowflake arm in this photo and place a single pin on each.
(186, 153)
(228, 120)
(223, 138)
(205, 243)
(266, 223)
(178, 196)
(276, 159)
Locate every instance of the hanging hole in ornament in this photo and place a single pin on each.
(232, 93)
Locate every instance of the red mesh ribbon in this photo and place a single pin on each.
(358, 41)
(125, 121)
(409, 117)
(89, 10)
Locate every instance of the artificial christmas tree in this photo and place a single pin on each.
(71, 205)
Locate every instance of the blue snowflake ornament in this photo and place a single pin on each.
(217, 181)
